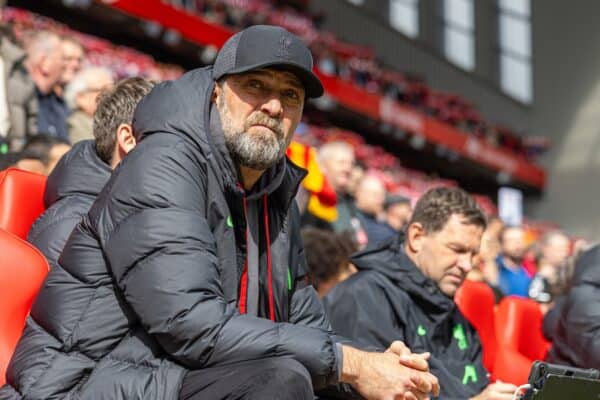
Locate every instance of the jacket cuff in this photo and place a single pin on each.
(339, 363)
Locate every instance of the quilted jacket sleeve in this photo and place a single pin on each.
(51, 230)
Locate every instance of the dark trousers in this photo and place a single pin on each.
(267, 379)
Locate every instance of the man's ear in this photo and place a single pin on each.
(217, 91)
(125, 139)
(44, 63)
(415, 234)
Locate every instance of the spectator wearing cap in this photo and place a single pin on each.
(397, 212)
(81, 174)
(81, 97)
(187, 279)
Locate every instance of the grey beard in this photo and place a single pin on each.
(258, 153)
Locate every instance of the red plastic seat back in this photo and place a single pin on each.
(21, 200)
(476, 302)
(512, 367)
(519, 327)
(22, 271)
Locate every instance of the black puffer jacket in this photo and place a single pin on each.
(390, 299)
(576, 339)
(147, 285)
(70, 191)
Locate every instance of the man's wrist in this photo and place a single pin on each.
(351, 364)
(339, 355)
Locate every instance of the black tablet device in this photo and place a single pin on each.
(559, 382)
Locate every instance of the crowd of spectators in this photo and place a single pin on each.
(359, 65)
(95, 63)
(53, 78)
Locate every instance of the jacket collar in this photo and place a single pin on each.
(390, 259)
(79, 172)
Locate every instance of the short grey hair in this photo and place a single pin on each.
(328, 149)
(82, 82)
(41, 44)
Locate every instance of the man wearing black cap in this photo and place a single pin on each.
(186, 280)
(397, 210)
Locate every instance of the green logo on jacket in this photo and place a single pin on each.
(421, 330)
(458, 333)
(229, 222)
(470, 374)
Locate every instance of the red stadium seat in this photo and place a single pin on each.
(21, 200)
(22, 271)
(520, 339)
(476, 301)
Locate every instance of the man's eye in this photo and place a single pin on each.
(255, 84)
(291, 94)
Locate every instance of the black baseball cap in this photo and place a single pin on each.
(393, 199)
(262, 46)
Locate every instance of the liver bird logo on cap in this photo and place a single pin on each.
(284, 48)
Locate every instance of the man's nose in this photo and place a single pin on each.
(465, 262)
(272, 107)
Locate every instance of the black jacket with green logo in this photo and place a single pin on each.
(148, 283)
(390, 299)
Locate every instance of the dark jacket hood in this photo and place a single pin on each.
(183, 107)
(80, 171)
(587, 269)
(178, 107)
(390, 260)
